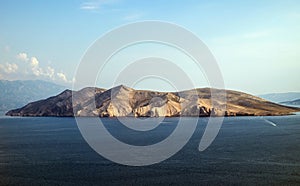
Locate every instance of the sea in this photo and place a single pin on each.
(246, 151)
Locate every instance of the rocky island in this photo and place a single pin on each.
(125, 101)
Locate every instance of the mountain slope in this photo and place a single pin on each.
(294, 102)
(125, 101)
(15, 94)
(281, 97)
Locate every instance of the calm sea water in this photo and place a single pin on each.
(247, 151)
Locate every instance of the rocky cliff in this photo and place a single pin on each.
(125, 101)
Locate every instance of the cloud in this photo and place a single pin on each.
(89, 6)
(22, 56)
(30, 67)
(96, 4)
(9, 68)
(62, 76)
(34, 62)
(36, 70)
(50, 72)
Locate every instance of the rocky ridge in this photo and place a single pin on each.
(124, 101)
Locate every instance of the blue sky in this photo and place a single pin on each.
(256, 43)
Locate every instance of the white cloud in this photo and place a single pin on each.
(89, 6)
(50, 72)
(36, 70)
(96, 4)
(34, 62)
(23, 56)
(62, 76)
(13, 67)
(30, 67)
(9, 68)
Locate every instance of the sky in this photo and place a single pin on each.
(256, 43)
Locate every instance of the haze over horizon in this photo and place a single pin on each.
(256, 43)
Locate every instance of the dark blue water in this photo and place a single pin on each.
(247, 151)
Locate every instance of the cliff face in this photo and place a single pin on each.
(125, 101)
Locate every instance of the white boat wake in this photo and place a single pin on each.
(271, 123)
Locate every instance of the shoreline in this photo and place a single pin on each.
(231, 116)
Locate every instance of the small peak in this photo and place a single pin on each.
(67, 91)
(120, 87)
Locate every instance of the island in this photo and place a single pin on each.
(124, 101)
